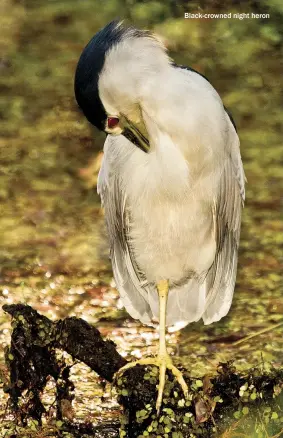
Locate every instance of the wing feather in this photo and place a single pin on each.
(133, 292)
(221, 277)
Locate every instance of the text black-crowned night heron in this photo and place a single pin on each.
(171, 182)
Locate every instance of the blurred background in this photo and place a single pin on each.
(53, 252)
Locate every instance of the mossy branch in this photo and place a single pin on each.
(215, 403)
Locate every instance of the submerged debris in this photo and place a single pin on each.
(226, 403)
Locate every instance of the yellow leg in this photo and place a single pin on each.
(163, 289)
(163, 360)
(163, 357)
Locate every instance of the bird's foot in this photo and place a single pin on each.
(163, 363)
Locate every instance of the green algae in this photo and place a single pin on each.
(52, 251)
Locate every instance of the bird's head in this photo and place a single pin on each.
(114, 73)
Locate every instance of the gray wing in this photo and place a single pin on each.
(128, 280)
(221, 277)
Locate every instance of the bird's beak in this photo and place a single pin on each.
(132, 133)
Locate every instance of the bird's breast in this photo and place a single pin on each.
(171, 240)
(171, 223)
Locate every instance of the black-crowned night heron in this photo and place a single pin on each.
(171, 182)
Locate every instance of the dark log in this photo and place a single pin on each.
(73, 335)
(31, 359)
(84, 342)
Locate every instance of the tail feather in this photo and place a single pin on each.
(131, 293)
(187, 303)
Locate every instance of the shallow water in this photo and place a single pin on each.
(53, 251)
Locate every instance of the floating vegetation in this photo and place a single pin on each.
(53, 253)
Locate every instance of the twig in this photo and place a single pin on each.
(260, 332)
(278, 435)
(229, 433)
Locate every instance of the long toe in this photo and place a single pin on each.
(166, 363)
(145, 361)
(180, 379)
(161, 385)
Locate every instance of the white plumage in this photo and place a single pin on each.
(175, 212)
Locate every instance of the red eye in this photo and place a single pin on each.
(112, 122)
